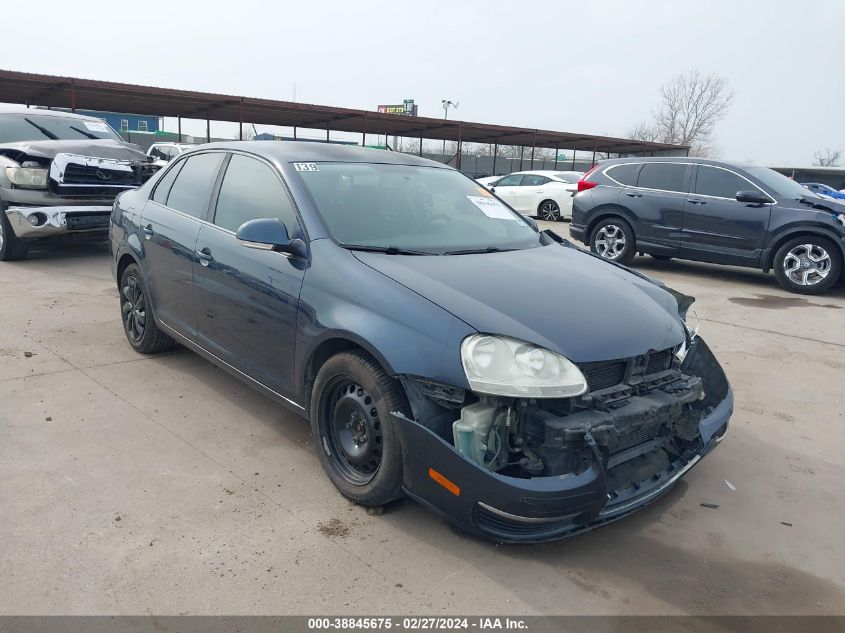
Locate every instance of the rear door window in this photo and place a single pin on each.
(532, 180)
(721, 183)
(514, 180)
(624, 174)
(192, 190)
(663, 176)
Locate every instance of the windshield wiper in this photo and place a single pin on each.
(388, 250)
(475, 251)
(84, 133)
(43, 130)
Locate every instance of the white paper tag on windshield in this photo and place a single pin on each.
(96, 126)
(492, 208)
(306, 167)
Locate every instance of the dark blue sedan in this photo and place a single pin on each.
(440, 344)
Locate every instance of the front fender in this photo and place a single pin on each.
(405, 332)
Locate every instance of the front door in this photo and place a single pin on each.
(508, 189)
(170, 223)
(247, 299)
(717, 227)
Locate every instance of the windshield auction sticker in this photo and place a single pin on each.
(492, 208)
(306, 167)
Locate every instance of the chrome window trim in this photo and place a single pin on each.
(233, 368)
(704, 195)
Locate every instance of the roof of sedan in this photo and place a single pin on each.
(305, 151)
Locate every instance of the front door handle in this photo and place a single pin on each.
(698, 201)
(633, 194)
(205, 256)
(148, 231)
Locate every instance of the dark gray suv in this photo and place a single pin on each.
(711, 211)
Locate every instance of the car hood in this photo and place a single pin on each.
(104, 148)
(555, 296)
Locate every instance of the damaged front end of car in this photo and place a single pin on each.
(521, 469)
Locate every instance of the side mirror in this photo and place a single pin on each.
(269, 234)
(752, 197)
(492, 189)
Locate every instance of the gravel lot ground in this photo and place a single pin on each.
(133, 484)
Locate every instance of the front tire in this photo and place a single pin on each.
(613, 239)
(136, 314)
(808, 265)
(11, 247)
(357, 443)
(549, 210)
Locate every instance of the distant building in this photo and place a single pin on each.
(124, 122)
(833, 176)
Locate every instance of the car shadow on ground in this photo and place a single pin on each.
(752, 278)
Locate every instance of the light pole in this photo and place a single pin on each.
(446, 105)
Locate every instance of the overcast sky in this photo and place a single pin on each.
(592, 67)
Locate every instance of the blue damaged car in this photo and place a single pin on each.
(441, 345)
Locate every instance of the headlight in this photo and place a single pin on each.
(691, 325)
(27, 177)
(839, 217)
(504, 366)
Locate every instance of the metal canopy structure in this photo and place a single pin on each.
(71, 92)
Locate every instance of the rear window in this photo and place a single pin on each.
(624, 174)
(665, 176)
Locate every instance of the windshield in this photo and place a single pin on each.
(424, 209)
(780, 184)
(15, 128)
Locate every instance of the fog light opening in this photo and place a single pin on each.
(37, 219)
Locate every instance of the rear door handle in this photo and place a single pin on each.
(634, 194)
(205, 256)
(148, 230)
(698, 201)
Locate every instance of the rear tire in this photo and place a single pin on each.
(549, 210)
(136, 314)
(11, 247)
(357, 443)
(613, 239)
(808, 265)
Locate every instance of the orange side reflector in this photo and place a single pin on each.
(448, 485)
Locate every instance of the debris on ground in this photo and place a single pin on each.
(786, 523)
(228, 492)
(49, 418)
(709, 505)
(730, 485)
(28, 354)
(333, 527)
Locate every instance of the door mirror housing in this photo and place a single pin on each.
(492, 189)
(753, 197)
(269, 234)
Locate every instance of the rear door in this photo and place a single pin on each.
(170, 223)
(534, 189)
(508, 189)
(247, 299)
(657, 203)
(717, 227)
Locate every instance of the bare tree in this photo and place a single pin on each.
(827, 158)
(690, 107)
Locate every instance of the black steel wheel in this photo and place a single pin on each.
(359, 449)
(136, 314)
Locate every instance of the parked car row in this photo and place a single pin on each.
(542, 193)
(711, 211)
